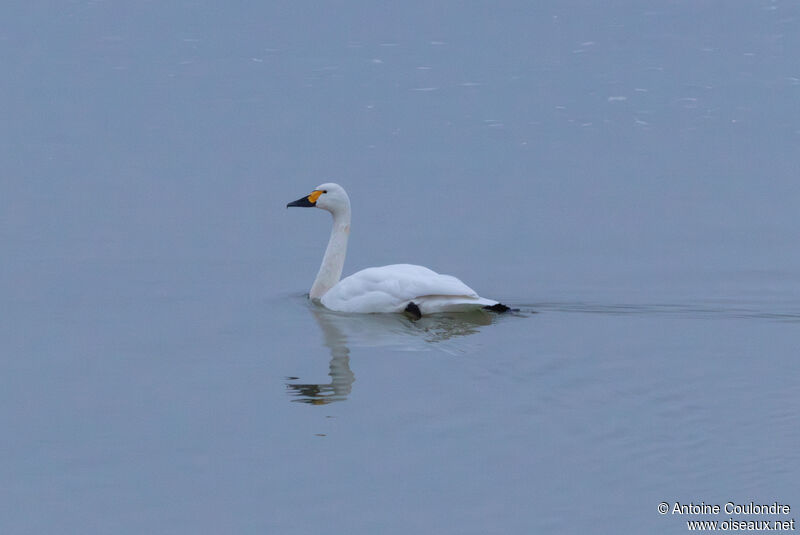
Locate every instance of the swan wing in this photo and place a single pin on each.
(392, 288)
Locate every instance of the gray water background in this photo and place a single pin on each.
(624, 173)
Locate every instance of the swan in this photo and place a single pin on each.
(403, 288)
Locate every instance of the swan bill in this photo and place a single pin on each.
(309, 201)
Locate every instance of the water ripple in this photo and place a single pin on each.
(781, 313)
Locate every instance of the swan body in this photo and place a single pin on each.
(392, 288)
(384, 289)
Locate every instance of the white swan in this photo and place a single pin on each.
(415, 290)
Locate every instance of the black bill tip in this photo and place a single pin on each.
(302, 203)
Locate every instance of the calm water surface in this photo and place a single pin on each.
(625, 176)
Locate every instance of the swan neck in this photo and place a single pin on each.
(333, 262)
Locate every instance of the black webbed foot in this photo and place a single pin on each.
(499, 308)
(412, 311)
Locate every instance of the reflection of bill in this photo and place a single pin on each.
(392, 331)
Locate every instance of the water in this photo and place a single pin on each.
(624, 175)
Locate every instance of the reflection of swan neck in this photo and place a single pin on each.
(332, 263)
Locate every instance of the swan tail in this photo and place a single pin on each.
(435, 304)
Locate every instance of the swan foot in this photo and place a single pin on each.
(499, 308)
(412, 311)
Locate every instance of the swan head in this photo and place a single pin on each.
(329, 196)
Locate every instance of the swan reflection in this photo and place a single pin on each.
(392, 331)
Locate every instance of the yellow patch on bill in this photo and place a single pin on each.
(314, 196)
